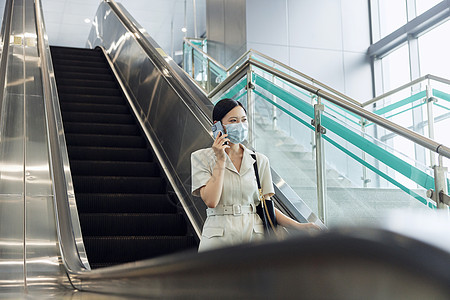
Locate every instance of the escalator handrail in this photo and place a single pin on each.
(71, 243)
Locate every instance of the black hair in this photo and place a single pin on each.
(223, 107)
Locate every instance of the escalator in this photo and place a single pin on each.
(125, 207)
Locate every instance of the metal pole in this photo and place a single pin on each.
(363, 155)
(320, 162)
(274, 108)
(430, 114)
(251, 108)
(313, 142)
(440, 183)
(207, 76)
(193, 62)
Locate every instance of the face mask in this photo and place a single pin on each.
(237, 132)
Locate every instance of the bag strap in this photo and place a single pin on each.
(261, 196)
(255, 166)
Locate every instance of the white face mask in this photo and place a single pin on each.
(237, 132)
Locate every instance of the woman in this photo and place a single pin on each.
(223, 176)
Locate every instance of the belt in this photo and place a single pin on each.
(234, 210)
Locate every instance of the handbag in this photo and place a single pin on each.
(265, 209)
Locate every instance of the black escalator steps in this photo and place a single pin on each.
(76, 51)
(63, 74)
(82, 69)
(97, 118)
(112, 250)
(87, 83)
(90, 99)
(109, 154)
(114, 168)
(59, 56)
(95, 108)
(132, 224)
(89, 91)
(122, 185)
(124, 203)
(95, 128)
(80, 63)
(96, 140)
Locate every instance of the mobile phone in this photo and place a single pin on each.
(216, 128)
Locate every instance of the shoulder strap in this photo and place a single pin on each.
(255, 166)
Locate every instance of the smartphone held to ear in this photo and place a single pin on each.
(218, 128)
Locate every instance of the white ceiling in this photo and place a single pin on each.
(66, 26)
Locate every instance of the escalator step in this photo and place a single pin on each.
(90, 99)
(122, 185)
(76, 51)
(87, 83)
(94, 128)
(132, 224)
(114, 250)
(80, 63)
(77, 69)
(95, 108)
(97, 140)
(89, 91)
(109, 154)
(58, 56)
(124, 203)
(97, 118)
(65, 74)
(114, 168)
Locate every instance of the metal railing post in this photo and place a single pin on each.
(320, 161)
(251, 108)
(363, 154)
(440, 185)
(192, 61)
(430, 100)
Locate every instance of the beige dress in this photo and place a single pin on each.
(239, 188)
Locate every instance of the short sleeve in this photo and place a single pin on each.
(201, 171)
(266, 176)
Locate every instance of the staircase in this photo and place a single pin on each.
(125, 207)
(347, 202)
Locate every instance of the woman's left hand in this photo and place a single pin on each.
(308, 227)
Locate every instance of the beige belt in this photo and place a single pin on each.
(234, 210)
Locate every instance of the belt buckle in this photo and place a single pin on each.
(237, 210)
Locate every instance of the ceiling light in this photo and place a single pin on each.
(87, 21)
(184, 29)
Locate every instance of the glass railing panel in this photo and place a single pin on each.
(283, 133)
(348, 201)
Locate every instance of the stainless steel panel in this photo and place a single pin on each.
(43, 268)
(11, 242)
(37, 170)
(12, 146)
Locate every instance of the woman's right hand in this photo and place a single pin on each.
(220, 145)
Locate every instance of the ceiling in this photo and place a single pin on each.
(65, 20)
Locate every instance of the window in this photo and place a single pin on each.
(434, 49)
(392, 15)
(424, 5)
(396, 69)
